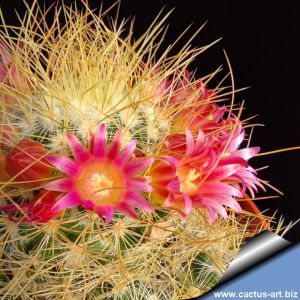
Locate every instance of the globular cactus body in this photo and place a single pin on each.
(134, 163)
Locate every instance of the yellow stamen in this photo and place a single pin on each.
(100, 183)
(187, 177)
(210, 117)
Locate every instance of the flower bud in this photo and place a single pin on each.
(3, 174)
(41, 208)
(38, 211)
(27, 162)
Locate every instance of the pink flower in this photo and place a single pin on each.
(38, 211)
(176, 94)
(232, 154)
(102, 178)
(211, 173)
(201, 115)
(192, 105)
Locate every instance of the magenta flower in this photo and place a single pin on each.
(179, 92)
(102, 178)
(37, 211)
(212, 173)
(232, 154)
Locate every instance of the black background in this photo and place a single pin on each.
(261, 39)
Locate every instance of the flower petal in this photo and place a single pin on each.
(172, 162)
(69, 200)
(247, 153)
(100, 140)
(125, 155)
(138, 201)
(230, 202)
(169, 201)
(137, 165)
(64, 164)
(115, 146)
(187, 204)
(139, 185)
(60, 185)
(233, 160)
(199, 143)
(127, 209)
(220, 188)
(79, 152)
(189, 143)
(107, 212)
(237, 139)
(217, 207)
(12, 208)
(223, 172)
(212, 215)
(173, 185)
(89, 205)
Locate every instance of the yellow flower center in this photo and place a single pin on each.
(187, 177)
(101, 183)
(210, 117)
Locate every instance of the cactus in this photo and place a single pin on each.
(78, 256)
(58, 85)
